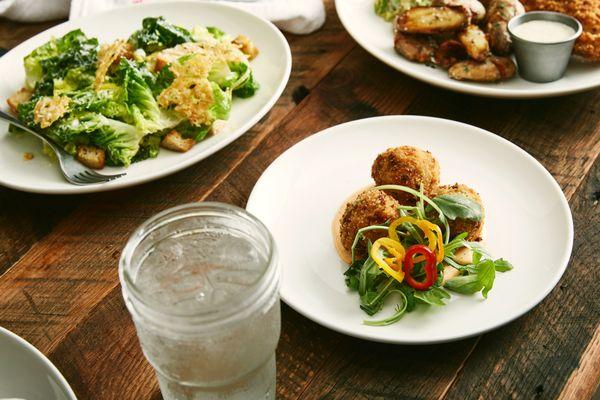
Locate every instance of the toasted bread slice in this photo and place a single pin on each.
(175, 142)
(91, 156)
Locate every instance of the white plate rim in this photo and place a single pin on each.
(564, 261)
(119, 184)
(57, 374)
(457, 86)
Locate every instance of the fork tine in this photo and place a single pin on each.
(82, 177)
(95, 177)
(106, 177)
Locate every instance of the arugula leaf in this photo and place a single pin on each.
(352, 274)
(481, 278)
(465, 284)
(434, 296)
(400, 310)
(486, 274)
(458, 206)
(502, 265)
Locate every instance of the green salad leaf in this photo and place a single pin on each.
(146, 113)
(53, 61)
(458, 206)
(158, 34)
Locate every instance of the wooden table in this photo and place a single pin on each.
(58, 255)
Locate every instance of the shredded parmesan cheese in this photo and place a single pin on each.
(108, 54)
(49, 109)
(191, 94)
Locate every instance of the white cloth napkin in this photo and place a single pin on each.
(294, 16)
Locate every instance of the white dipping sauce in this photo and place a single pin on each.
(542, 31)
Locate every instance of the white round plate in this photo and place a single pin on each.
(375, 35)
(27, 374)
(271, 68)
(528, 222)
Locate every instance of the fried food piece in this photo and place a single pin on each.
(21, 96)
(371, 207)
(475, 42)
(90, 156)
(498, 15)
(449, 53)
(175, 142)
(428, 20)
(474, 9)
(414, 47)
(406, 166)
(587, 12)
(458, 226)
(493, 69)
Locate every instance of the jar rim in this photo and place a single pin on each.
(246, 300)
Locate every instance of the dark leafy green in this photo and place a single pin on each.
(187, 130)
(158, 34)
(53, 61)
(249, 86)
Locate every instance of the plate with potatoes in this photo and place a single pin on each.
(461, 45)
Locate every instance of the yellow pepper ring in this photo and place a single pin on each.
(431, 231)
(394, 248)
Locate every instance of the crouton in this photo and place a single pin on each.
(175, 142)
(17, 98)
(246, 46)
(90, 156)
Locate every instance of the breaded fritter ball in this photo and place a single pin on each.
(458, 226)
(407, 166)
(371, 207)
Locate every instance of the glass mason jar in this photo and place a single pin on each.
(201, 282)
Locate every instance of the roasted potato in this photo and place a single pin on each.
(491, 70)
(475, 10)
(475, 42)
(429, 20)
(498, 15)
(90, 156)
(449, 52)
(414, 47)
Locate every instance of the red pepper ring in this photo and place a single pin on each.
(431, 273)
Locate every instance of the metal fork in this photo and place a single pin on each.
(73, 171)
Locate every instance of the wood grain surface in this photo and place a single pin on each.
(58, 255)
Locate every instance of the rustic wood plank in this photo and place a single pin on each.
(585, 379)
(543, 354)
(12, 33)
(24, 219)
